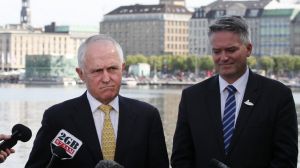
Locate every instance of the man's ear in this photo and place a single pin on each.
(249, 49)
(80, 73)
(123, 66)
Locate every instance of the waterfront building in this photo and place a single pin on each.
(14, 46)
(206, 15)
(139, 70)
(280, 29)
(17, 42)
(198, 28)
(49, 68)
(295, 31)
(173, 2)
(149, 29)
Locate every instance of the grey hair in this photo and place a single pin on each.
(235, 24)
(97, 38)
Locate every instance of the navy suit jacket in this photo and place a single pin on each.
(265, 135)
(140, 140)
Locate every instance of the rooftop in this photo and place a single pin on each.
(162, 8)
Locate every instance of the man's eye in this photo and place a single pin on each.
(98, 70)
(216, 51)
(112, 68)
(232, 50)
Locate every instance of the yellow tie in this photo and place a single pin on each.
(108, 135)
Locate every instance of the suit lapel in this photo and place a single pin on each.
(84, 123)
(251, 95)
(214, 109)
(126, 126)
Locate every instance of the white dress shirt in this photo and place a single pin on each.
(98, 115)
(240, 86)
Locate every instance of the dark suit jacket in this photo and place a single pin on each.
(265, 135)
(140, 139)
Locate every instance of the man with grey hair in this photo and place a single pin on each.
(236, 117)
(110, 126)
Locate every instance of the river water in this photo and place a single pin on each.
(25, 104)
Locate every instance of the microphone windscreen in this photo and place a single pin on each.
(21, 132)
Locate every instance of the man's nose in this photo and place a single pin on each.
(105, 77)
(223, 56)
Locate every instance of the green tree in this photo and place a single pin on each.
(297, 63)
(134, 59)
(191, 63)
(206, 63)
(283, 64)
(179, 63)
(266, 63)
(251, 61)
(155, 62)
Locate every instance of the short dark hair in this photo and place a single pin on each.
(234, 24)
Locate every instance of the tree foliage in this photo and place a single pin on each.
(191, 63)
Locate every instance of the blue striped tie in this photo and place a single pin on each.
(229, 116)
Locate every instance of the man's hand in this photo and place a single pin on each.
(7, 152)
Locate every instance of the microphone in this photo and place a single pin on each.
(214, 163)
(57, 154)
(108, 164)
(63, 146)
(19, 132)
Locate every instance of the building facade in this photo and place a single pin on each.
(295, 31)
(14, 46)
(276, 32)
(16, 43)
(172, 2)
(273, 26)
(198, 29)
(279, 27)
(206, 15)
(149, 29)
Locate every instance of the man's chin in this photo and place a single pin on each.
(227, 73)
(106, 98)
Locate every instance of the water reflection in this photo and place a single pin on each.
(26, 104)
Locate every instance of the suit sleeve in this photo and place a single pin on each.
(41, 153)
(183, 148)
(285, 139)
(158, 156)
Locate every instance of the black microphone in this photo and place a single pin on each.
(108, 164)
(19, 132)
(63, 146)
(57, 154)
(214, 163)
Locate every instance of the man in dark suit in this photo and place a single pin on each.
(130, 133)
(236, 117)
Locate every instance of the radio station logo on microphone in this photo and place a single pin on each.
(67, 141)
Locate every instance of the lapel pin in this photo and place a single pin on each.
(248, 103)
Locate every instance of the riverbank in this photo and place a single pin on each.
(290, 82)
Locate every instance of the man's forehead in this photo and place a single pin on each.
(106, 47)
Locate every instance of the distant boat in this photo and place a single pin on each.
(129, 81)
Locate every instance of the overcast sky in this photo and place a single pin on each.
(71, 12)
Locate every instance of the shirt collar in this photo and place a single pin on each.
(94, 103)
(239, 84)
